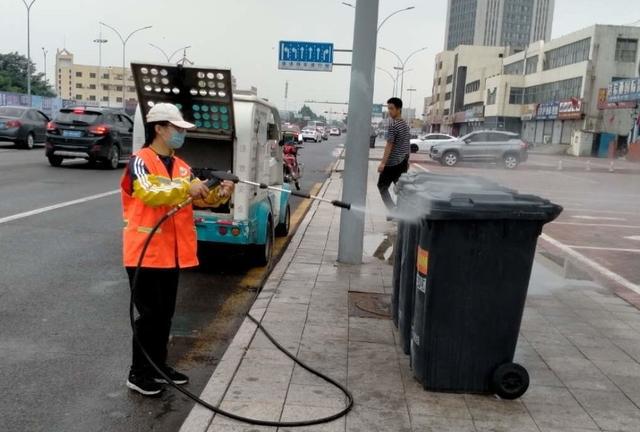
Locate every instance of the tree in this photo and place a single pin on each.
(13, 76)
(305, 111)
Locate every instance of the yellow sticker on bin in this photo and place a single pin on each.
(423, 261)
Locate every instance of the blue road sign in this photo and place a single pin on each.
(308, 56)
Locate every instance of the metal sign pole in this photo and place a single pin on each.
(357, 147)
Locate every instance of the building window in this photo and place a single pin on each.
(439, 65)
(446, 112)
(92, 75)
(532, 65)
(516, 68)
(569, 54)
(92, 86)
(516, 96)
(105, 76)
(78, 97)
(626, 50)
(119, 88)
(472, 87)
(105, 99)
(439, 80)
(92, 98)
(119, 100)
(449, 79)
(105, 87)
(79, 85)
(131, 89)
(554, 91)
(491, 96)
(79, 74)
(447, 96)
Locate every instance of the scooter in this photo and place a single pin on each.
(291, 168)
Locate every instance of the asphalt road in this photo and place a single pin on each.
(64, 332)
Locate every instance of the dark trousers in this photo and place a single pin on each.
(389, 175)
(155, 300)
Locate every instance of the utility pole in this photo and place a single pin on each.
(411, 91)
(45, 52)
(28, 6)
(357, 158)
(286, 94)
(100, 41)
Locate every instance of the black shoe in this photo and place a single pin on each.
(176, 377)
(143, 384)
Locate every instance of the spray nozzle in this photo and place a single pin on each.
(341, 204)
(223, 175)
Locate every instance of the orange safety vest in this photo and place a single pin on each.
(175, 243)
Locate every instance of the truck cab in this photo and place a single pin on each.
(237, 132)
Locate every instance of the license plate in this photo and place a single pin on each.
(2, 125)
(71, 133)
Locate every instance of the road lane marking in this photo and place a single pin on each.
(603, 271)
(598, 248)
(420, 167)
(57, 206)
(597, 225)
(608, 218)
(633, 237)
(600, 211)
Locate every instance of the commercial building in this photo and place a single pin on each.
(91, 84)
(545, 92)
(512, 23)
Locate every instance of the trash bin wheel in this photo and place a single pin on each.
(510, 381)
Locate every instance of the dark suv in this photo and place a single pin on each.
(483, 146)
(96, 134)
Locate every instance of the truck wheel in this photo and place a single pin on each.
(282, 230)
(263, 253)
(510, 381)
(511, 161)
(450, 158)
(55, 161)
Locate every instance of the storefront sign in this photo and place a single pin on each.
(475, 114)
(604, 104)
(529, 112)
(548, 111)
(459, 117)
(570, 109)
(627, 90)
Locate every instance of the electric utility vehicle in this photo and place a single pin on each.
(237, 132)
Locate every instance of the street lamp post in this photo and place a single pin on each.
(28, 6)
(411, 91)
(169, 57)
(100, 41)
(403, 64)
(44, 53)
(124, 50)
(387, 18)
(393, 79)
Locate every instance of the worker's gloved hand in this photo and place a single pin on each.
(198, 190)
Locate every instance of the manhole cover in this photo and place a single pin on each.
(369, 305)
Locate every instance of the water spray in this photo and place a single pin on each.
(221, 175)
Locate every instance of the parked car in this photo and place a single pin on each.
(486, 146)
(335, 132)
(311, 134)
(424, 143)
(96, 134)
(23, 126)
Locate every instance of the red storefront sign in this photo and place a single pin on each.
(570, 109)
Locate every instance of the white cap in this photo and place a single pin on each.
(169, 113)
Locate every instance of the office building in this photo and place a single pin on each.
(92, 85)
(546, 92)
(512, 23)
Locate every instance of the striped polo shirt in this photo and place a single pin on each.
(399, 135)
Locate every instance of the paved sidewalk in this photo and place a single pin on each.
(579, 342)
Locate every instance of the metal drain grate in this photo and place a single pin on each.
(369, 305)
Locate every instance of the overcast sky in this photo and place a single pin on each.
(244, 35)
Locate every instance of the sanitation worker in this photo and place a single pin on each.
(154, 182)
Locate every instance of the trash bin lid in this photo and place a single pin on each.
(442, 197)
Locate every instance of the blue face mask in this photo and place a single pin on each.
(177, 139)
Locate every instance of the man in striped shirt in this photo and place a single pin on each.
(395, 161)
